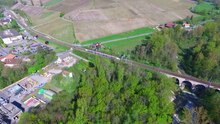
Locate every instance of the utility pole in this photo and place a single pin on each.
(41, 4)
(32, 3)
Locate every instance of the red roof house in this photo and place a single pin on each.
(170, 25)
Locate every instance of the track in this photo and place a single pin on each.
(130, 62)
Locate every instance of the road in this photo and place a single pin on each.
(130, 62)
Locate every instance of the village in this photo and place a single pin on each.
(30, 91)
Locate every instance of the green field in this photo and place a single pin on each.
(124, 45)
(52, 2)
(139, 31)
(203, 7)
(57, 47)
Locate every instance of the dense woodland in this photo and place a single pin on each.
(196, 51)
(10, 75)
(108, 92)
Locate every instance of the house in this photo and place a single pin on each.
(170, 25)
(9, 36)
(67, 74)
(186, 25)
(7, 57)
(5, 21)
(11, 62)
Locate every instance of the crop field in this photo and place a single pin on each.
(98, 18)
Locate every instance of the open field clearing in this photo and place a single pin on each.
(122, 46)
(135, 32)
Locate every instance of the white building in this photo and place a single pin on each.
(10, 36)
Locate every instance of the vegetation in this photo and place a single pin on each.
(11, 75)
(62, 14)
(41, 59)
(13, 24)
(120, 47)
(57, 47)
(203, 60)
(52, 2)
(210, 101)
(7, 2)
(24, 15)
(197, 115)
(108, 92)
(139, 31)
(158, 50)
(203, 8)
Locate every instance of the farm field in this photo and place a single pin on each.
(93, 19)
(50, 23)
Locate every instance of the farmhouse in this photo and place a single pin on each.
(5, 21)
(170, 25)
(9, 36)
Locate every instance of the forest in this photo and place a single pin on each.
(108, 92)
(196, 52)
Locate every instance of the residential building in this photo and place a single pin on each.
(5, 21)
(10, 36)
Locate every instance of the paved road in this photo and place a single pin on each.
(130, 62)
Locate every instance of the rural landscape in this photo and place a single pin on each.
(109, 61)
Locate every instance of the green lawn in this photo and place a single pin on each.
(52, 2)
(57, 47)
(203, 7)
(120, 35)
(124, 45)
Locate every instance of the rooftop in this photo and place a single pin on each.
(9, 33)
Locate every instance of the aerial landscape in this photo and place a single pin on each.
(110, 61)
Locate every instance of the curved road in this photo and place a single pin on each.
(130, 62)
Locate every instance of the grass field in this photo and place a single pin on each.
(139, 31)
(125, 45)
(50, 23)
(57, 47)
(51, 3)
(203, 7)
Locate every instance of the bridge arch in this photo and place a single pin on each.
(199, 89)
(187, 84)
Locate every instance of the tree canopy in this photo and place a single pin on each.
(109, 92)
